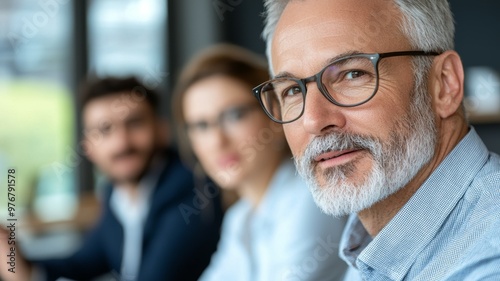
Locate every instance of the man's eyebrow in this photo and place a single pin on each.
(286, 74)
(133, 116)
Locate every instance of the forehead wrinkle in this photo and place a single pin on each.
(289, 28)
(346, 13)
(292, 61)
(297, 27)
(289, 36)
(307, 35)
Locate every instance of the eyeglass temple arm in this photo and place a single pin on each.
(409, 53)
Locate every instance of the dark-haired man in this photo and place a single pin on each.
(154, 225)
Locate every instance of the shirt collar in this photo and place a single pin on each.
(121, 204)
(397, 246)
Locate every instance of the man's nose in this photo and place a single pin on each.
(320, 115)
(120, 137)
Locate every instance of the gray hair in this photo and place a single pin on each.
(428, 24)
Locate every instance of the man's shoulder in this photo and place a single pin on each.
(470, 239)
(483, 196)
(175, 177)
(174, 167)
(175, 183)
(490, 174)
(467, 244)
(480, 260)
(491, 169)
(479, 211)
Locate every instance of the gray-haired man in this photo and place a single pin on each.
(371, 93)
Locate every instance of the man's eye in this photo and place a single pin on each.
(292, 91)
(353, 74)
(105, 130)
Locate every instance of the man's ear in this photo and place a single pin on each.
(86, 145)
(447, 83)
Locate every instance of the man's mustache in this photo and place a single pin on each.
(339, 141)
(126, 153)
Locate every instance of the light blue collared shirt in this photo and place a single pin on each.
(286, 238)
(449, 230)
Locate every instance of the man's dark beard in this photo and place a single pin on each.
(131, 151)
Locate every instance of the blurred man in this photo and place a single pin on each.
(371, 93)
(155, 225)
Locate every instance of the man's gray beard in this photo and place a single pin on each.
(395, 162)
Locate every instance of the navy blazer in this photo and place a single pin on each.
(180, 234)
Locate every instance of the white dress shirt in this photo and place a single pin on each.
(132, 214)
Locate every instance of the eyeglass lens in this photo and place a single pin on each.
(348, 82)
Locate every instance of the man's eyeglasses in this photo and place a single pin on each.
(349, 81)
(228, 120)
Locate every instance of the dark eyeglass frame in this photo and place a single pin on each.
(374, 58)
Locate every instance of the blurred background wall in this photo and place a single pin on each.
(47, 47)
(477, 40)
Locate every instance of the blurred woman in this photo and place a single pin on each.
(274, 231)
